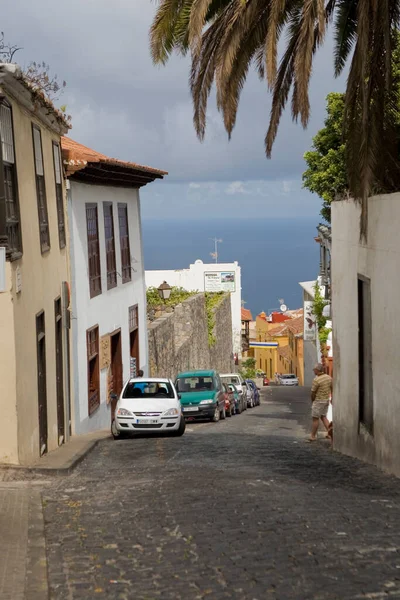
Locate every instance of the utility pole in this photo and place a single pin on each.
(215, 253)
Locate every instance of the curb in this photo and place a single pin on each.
(69, 466)
(36, 582)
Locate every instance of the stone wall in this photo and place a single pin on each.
(178, 341)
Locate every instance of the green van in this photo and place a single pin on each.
(201, 395)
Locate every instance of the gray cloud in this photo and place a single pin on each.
(124, 106)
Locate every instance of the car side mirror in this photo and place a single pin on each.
(113, 396)
(259, 389)
(180, 396)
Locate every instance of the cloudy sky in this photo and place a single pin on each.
(125, 107)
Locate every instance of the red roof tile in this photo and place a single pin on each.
(296, 325)
(76, 156)
(246, 315)
(278, 330)
(284, 351)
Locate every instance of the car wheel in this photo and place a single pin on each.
(238, 410)
(117, 435)
(229, 412)
(215, 417)
(181, 429)
(223, 414)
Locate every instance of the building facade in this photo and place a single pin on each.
(109, 336)
(34, 365)
(365, 331)
(212, 277)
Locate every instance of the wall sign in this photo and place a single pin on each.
(105, 351)
(133, 367)
(310, 327)
(219, 281)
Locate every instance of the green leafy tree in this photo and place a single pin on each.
(248, 369)
(326, 174)
(227, 37)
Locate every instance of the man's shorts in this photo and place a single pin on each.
(319, 408)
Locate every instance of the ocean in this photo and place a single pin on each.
(274, 254)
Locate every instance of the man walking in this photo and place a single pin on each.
(321, 392)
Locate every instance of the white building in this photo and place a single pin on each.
(212, 277)
(109, 337)
(366, 331)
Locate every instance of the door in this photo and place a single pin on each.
(116, 368)
(41, 381)
(59, 371)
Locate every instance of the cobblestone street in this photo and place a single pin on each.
(241, 509)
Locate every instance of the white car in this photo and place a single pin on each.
(289, 379)
(148, 405)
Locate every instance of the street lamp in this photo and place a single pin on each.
(164, 291)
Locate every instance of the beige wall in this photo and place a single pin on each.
(379, 261)
(8, 399)
(41, 276)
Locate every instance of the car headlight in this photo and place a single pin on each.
(171, 412)
(122, 412)
(207, 402)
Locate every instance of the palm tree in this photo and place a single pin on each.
(227, 37)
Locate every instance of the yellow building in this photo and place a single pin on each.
(34, 366)
(279, 349)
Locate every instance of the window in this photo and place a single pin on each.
(365, 391)
(41, 190)
(13, 227)
(59, 194)
(92, 341)
(41, 380)
(124, 241)
(92, 227)
(110, 245)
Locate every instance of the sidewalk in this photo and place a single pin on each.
(23, 566)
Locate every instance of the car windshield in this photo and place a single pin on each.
(148, 389)
(231, 379)
(195, 384)
(288, 376)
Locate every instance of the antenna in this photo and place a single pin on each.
(215, 253)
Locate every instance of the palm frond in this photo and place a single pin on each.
(275, 25)
(312, 20)
(162, 31)
(198, 19)
(284, 79)
(345, 32)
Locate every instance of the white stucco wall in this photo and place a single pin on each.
(192, 279)
(109, 310)
(379, 261)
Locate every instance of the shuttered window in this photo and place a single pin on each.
(92, 227)
(13, 224)
(41, 190)
(92, 341)
(110, 245)
(59, 194)
(124, 242)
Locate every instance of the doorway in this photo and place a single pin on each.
(41, 381)
(116, 369)
(59, 371)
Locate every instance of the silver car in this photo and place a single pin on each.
(289, 379)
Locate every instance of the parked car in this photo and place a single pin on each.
(230, 406)
(256, 391)
(265, 381)
(249, 395)
(289, 379)
(202, 395)
(239, 401)
(148, 405)
(238, 381)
